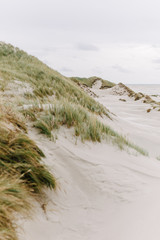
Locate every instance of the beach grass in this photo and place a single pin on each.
(15, 64)
(86, 125)
(20, 154)
(14, 198)
(23, 175)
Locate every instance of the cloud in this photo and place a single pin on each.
(120, 68)
(96, 70)
(156, 60)
(87, 47)
(155, 45)
(65, 69)
(49, 49)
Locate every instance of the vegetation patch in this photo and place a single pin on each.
(18, 65)
(22, 173)
(90, 81)
(19, 154)
(86, 125)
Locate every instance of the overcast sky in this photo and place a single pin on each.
(118, 40)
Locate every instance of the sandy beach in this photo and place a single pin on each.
(104, 193)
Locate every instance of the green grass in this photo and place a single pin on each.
(10, 115)
(16, 64)
(20, 154)
(71, 105)
(45, 124)
(23, 175)
(86, 125)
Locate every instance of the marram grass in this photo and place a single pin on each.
(23, 176)
(20, 154)
(14, 198)
(18, 65)
(86, 125)
(9, 115)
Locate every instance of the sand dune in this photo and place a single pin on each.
(133, 120)
(103, 193)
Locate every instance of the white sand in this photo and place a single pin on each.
(97, 84)
(133, 121)
(104, 193)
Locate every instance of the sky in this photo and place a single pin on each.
(118, 40)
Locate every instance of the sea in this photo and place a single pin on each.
(148, 89)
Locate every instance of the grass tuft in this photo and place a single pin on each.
(45, 124)
(24, 175)
(21, 155)
(14, 197)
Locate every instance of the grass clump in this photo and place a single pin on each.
(45, 124)
(32, 111)
(24, 174)
(85, 124)
(9, 115)
(20, 154)
(14, 197)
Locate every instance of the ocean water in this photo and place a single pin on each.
(149, 89)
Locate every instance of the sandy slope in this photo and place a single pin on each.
(104, 193)
(133, 120)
